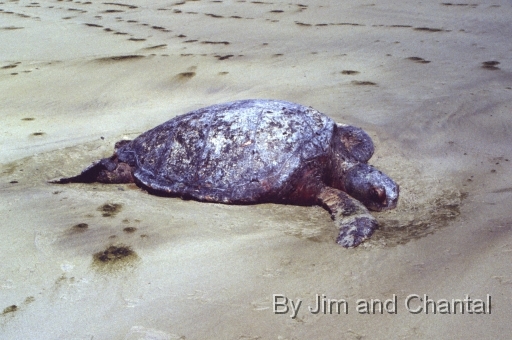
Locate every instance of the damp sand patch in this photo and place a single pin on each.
(426, 204)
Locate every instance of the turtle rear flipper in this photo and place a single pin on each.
(355, 222)
(106, 170)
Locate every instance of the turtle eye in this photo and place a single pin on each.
(378, 195)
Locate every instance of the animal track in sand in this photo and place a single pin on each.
(459, 5)
(162, 46)
(122, 5)
(213, 15)
(113, 258)
(328, 24)
(419, 60)
(160, 28)
(215, 42)
(120, 58)
(10, 66)
(18, 63)
(14, 308)
(185, 75)
(364, 83)
(224, 57)
(10, 309)
(491, 65)
(428, 29)
(302, 7)
(346, 24)
(77, 10)
(21, 15)
(129, 230)
(110, 209)
(11, 28)
(80, 227)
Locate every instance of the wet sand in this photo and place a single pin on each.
(430, 82)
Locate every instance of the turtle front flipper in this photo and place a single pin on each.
(106, 170)
(355, 222)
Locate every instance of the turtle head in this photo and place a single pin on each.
(371, 187)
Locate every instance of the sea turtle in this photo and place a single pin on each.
(256, 151)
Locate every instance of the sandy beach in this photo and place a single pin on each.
(430, 82)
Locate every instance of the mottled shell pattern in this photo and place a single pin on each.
(237, 152)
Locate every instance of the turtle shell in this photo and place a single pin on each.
(239, 152)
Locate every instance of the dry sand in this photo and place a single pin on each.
(430, 81)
